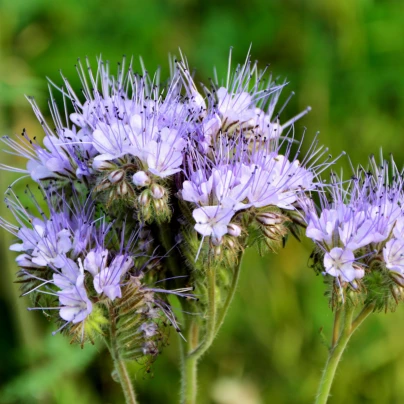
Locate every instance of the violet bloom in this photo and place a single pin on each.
(246, 102)
(75, 304)
(393, 251)
(339, 263)
(241, 173)
(363, 219)
(121, 118)
(47, 241)
(66, 152)
(219, 196)
(50, 250)
(107, 276)
(237, 158)
(135, 122)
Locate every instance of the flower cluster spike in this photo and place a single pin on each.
(358, 230)
(147, 183)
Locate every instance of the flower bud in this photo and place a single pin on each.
(102, 165)
(116, 176)
(234, 230)
(269, 218)
(144, 232)
(102, 186)
(359, 271)
(398, 292)
(273, 232)
(144, 245)
(297, 217)
(123, 188)
(141, 179)
(354, 284)
(149, 329)
(216, 241)
(397, 278)
(159, 205)
(157, 191)
(230, 243)
(144, 198)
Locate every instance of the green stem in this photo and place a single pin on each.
(120, 366)
(193, 353)
(230, 295)
(126, 383)
(210, 332)
(189, 369)
(213, 324)
(337, 323)
(338, 348)
(368, 309)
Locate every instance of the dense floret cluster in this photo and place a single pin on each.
(149, 183)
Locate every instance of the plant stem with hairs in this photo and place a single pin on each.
(338, 346)
(120, 366)
(193, 352)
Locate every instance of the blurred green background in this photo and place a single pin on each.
(345, 58)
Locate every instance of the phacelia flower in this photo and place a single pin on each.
(360, 220)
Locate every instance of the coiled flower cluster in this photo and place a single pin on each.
(148, 184)
(358, 231)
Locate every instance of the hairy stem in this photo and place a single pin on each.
(338, 348)
(189, 383)
(193, 352)
(210, 330)
(119, 363)
(230, 295)
(337, 323)
(361, 317)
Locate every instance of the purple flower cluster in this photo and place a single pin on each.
(134, 154)
(81, 263)
(122, 118)
(238, 160)
(362, 221)
(130, 134)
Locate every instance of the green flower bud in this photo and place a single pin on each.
(122, 188)
(270, 218)
(116, 176)
(103, 165)
(234, 230)
(144, 198)
(157, 191)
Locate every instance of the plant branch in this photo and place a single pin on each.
(334, 357)
(189, 384)
(337, 323)
(230, 295)
(210, 332)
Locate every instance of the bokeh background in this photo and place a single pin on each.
(344, 58)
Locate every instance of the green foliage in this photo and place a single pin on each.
(57, 367)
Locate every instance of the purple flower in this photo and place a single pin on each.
(364, 218)
(339, 263)
(212, 220)
(107, 277)
(75, 304)
(239, 173)
(393, 254)
(114, 122)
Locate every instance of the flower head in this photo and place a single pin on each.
(360, 222)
